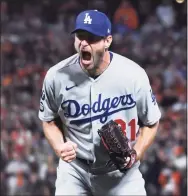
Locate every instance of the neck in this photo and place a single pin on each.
(102, 65)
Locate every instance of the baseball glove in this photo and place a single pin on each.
(118, 146)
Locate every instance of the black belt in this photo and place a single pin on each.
(99, 170)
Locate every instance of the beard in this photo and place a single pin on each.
(98, 58)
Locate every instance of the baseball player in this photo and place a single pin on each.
(86, 91)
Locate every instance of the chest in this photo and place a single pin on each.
(96, 100)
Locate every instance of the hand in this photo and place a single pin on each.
(66, 151)
(129, 161)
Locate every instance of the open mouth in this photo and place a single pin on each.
(86, 56)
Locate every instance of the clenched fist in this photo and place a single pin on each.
(66, 151)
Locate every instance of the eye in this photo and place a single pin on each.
(94, 39)
(90, 38)
(80, 36)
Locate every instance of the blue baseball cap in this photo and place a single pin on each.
(94, 22)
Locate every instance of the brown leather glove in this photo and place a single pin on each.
(117, 145)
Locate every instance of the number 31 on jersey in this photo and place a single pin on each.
(131, 124)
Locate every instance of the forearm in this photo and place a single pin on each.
(53, 134)
(145, 139)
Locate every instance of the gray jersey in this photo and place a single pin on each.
(121, 93)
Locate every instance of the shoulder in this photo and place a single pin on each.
(62, 65)
(128, 66)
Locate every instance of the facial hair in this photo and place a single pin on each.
(98, 58)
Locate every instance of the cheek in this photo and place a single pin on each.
(98, 48)
(76, 45)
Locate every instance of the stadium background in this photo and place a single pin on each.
(35, 35)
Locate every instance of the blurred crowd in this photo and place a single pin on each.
(35, 35)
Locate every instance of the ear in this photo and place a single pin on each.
(108, 41)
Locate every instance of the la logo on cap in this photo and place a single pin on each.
(87, 19)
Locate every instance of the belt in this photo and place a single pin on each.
(98, 170)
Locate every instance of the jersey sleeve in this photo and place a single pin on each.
(147, 107)
(48, 107)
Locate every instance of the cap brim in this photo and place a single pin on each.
(88, 30)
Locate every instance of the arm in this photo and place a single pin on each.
(65, 150)
(148, 114)
(53, 134)
(145, 139)
(48, 114)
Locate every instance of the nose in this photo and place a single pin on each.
(84, 43)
